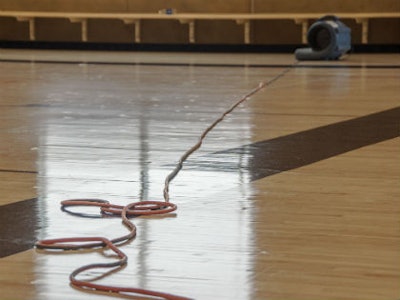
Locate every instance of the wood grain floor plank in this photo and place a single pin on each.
(325, 230)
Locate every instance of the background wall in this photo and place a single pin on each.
(207, 32)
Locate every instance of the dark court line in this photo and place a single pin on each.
(269, 157)
(219, 65)
(19, 221)
(17, 171)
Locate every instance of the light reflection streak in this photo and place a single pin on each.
(205, 250)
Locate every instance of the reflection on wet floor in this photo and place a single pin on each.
(325, 227)
(121, 148)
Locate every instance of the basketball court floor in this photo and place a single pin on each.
(293, 196)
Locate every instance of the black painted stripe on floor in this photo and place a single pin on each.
(18, 225)
(194, 48)
(17, 171)
(332, 65)
(19, 221)
(266, 158)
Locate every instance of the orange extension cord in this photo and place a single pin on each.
(133, 209)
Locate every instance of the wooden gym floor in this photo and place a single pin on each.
(295, 195)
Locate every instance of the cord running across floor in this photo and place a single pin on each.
(130, 210)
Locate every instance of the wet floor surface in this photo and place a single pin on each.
(115, 132)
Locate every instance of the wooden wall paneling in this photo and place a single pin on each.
(113, 31)
(383, 31)
(57, 30)
(217, 6)
(276, 32)
(65, 5)
(164, 31)
(310, 6)
(214, 32)
(380, 6)
(12, 30)
(224, 32)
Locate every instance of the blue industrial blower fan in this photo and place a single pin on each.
(329, 39)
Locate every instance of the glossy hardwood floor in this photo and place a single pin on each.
(294, 196)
